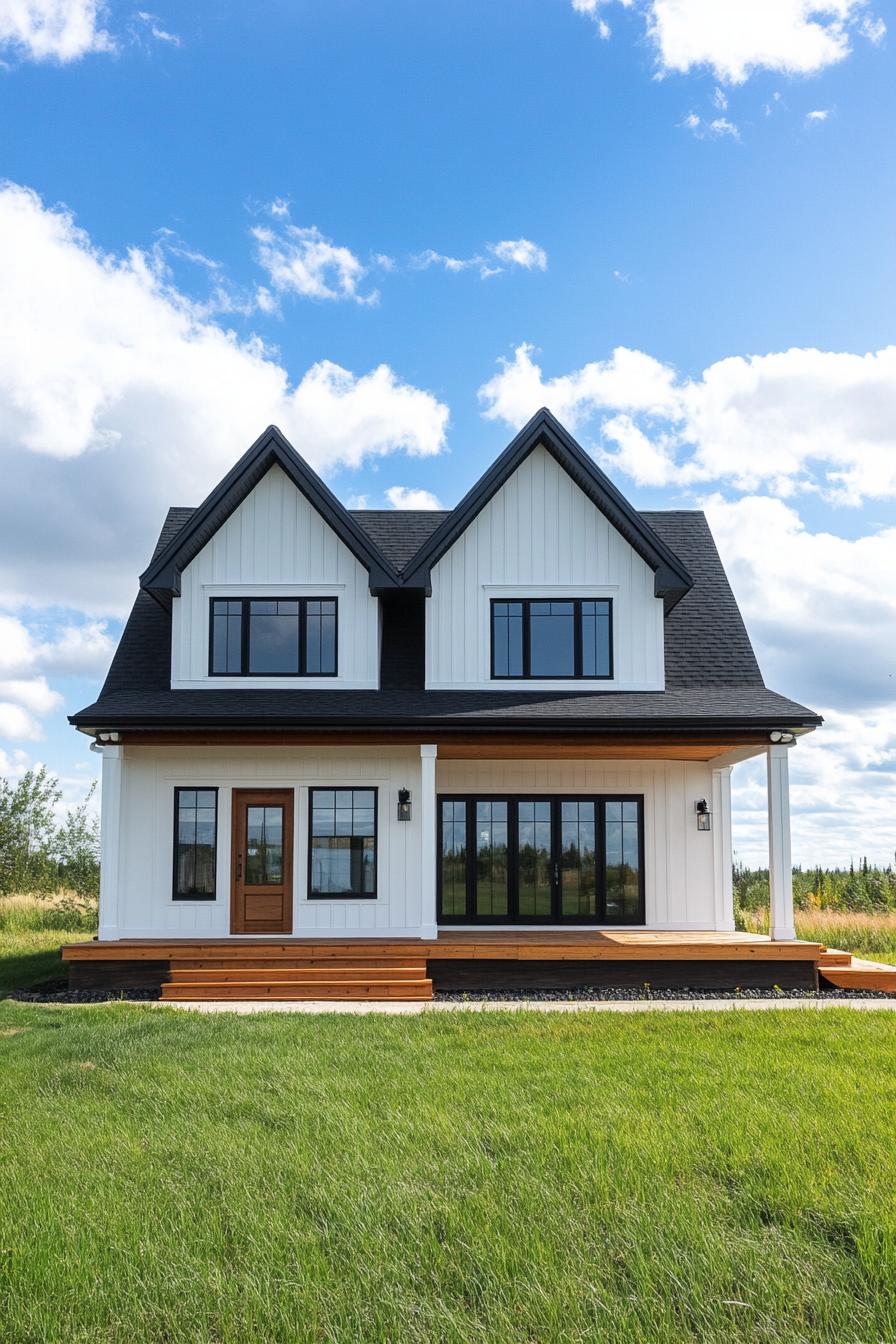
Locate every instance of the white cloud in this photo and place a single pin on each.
(821, 115)
(821, 610)
(794, 420)
(521, 252)
(53, 30)
(720, 99)
(736, 38)
(406, 497)
(154, 24)
(302, 261)
(118, 398)
(718, 126)
(27, 655)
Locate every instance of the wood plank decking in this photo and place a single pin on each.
(405, 968)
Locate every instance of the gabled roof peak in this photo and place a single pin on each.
(272, 448)
(544, 430)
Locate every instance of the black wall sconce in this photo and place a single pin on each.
(704, 816)
(404, 804)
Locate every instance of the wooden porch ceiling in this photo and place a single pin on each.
(483, 746)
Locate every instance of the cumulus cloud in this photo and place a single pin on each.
(713, 128)
(734, 39)
(799, 419)
(31, 653)
(821, 610)
(53, 30)
(406, 497)
(118, 397)
(820, 115)
(303, 261)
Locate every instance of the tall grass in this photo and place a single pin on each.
(29, 913)
(872, 936)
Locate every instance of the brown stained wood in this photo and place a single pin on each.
(684, 746)
(414, 991)
(268, 908)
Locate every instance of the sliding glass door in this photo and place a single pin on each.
(541, 860)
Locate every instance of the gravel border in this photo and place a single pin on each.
(584, 995)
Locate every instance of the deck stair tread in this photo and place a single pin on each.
(296, 974)
(414, 990)
(859, 973)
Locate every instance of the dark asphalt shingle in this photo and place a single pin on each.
(711, 670)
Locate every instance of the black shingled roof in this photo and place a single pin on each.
(712, 678)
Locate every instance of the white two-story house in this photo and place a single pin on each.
(516, 717)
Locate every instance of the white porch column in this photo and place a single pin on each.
(428, 856)
(110, 840)
(722, 849)
(780, 868)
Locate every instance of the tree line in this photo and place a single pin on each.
(43, 851)
(859, 889)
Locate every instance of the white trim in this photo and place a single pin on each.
(572, 685)
(110, 839)
(722, 849)
(428, 856)
(273, 684)
(780, 867)
(273, 589)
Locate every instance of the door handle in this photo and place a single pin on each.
(556, 874)
(239, 867)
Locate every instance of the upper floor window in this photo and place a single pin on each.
(272, 637)
(552, 638)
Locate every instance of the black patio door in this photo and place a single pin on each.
(541, 860)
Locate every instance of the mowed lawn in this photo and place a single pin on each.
(168, 1177)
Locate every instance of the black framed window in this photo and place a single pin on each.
(342, 843)
(552, 638)
(272, 637)
(195, 844)
(541, 860)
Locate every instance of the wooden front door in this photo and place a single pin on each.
(261, 870)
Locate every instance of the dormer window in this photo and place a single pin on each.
(552, 639)
(272, 637)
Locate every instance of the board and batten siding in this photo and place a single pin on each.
(540, 536)
(276, 544)
(143, 906)
(680, 862)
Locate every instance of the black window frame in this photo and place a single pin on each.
(526, 675)
(555, 919)
(244, 602)
(192, 788)
(345, 895)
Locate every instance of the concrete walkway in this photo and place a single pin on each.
(539, 1006)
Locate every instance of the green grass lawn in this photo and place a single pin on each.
(467, 1177)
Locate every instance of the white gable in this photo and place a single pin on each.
(540, 536)
(276, 544)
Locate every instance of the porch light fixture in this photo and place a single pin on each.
(704, 816)
(404, 804)
(784, 738)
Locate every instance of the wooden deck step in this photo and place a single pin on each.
(297, 963)
(861, 974)
(832, 956)
(295, 974)
(343, 990)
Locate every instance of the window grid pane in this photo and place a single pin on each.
(343, 842)
(563, 638)
(195, 844)
(273, 637)
(622, 862)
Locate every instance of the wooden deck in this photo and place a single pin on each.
(474, 959)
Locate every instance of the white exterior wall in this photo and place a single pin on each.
(144, 905)
(679, 864)
(276, 544)
(540, 536)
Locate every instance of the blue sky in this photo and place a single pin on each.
(397, 229)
